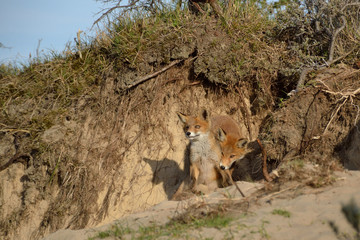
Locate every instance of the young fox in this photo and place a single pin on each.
(233, 146)
(205, 152)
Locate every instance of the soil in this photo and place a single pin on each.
(311, 213)
(112, 155)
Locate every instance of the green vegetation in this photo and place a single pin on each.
(174, 229)
(281, 212)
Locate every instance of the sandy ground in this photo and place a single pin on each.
(310, 212)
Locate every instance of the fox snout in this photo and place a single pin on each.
(223, 167)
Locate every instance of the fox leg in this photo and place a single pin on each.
(194, 175)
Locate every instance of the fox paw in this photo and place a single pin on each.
(201, 189)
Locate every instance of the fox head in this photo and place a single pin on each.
(195, 127)
(232, 149)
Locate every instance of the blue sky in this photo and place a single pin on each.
(55, 22)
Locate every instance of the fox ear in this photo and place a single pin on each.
(183, 118)
(205, 115)
(241, 143)
(221, 135)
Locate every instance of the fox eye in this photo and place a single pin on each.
(232, 156)
(197, 126)
(186, 127)
(222, 154)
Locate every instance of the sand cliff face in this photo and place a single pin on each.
(109, 164)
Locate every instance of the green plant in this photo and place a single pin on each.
(172, 229)
(281, 212)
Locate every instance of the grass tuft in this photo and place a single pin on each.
(172, 229)
(281, 212)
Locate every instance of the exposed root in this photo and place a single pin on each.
(345, 96)
(264, 165)
(19, 157)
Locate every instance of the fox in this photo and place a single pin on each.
(233, 146)
(205, 151)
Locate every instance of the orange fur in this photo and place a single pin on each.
(233, 146)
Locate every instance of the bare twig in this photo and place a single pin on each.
(110, 10)
(281, 191)
(14, 130)
(233, 182)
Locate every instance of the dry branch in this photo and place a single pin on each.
(152, 75)
(333, 39)
(110, 10)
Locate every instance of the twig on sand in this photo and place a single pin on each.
(234, 183)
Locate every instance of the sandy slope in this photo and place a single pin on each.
(310, 212)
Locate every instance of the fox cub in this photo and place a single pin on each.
(233, 146)
(205, 150)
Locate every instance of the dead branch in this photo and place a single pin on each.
(305, 71)
(264, 165)
(333, 39)
(110, 10)
(152, 75)
(330, 21)
(302, 78)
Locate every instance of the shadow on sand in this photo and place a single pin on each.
(169, 173)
